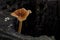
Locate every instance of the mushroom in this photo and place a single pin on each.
(21, 15)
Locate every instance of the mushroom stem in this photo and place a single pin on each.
(20, 26)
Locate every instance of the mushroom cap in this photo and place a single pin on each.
(21, 14)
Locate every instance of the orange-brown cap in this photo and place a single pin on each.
(21, 14)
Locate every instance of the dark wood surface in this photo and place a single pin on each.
(40, 22)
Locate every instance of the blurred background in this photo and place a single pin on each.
(42, 24)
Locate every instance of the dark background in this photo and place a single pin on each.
(44, 20)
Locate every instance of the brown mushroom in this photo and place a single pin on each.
(21, 15)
